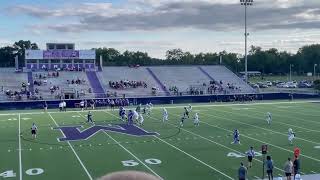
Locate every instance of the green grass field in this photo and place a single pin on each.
(187, 153)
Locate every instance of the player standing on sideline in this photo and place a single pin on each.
(164, 115)
(82, 105)
(269, 166)
(64, 104)
(60, 106)
(34, 130)
(296, 168)
(89, 117)
(45, 106)
(291, 135)
(250, 153)
(122, 113)
(242, 172)
(196, 120)
(112, 104)
(236, 137)
(269, 118)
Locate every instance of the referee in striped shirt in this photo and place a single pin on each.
(250, 153)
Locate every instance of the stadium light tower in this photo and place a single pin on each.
(290, 68)
(246, 3)
(314, 71)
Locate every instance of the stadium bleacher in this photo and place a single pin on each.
(156, 80)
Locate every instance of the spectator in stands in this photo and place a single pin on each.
(124, 84)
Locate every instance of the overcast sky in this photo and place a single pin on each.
(155, 26)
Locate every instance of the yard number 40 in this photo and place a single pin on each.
(30, 172)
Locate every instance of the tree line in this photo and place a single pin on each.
(266, 61)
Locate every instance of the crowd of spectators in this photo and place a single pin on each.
(47, 75)
(125, 84)
(65, 69)
(112, 103)
(215, 87)
(23, 92)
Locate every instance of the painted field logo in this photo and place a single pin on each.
(73, 133)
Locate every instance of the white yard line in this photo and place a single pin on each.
(74, 152)
(216, 142)
(182, 151)
(294, 117)
(133, 156)
(296, 110)
(306, 140)
(280, 122)
(193, 157)
(114, 140)
(274, 122)
(309, 157)
(20, 154)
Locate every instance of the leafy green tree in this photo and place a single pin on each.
(21, 46)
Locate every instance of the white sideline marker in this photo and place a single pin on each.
(169, 107)
(20, 158)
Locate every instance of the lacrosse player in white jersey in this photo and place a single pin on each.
(164, 115)
(196, 120)
(269, 118)
(291, 135)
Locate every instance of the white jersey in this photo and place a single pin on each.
(64, 104)
(135, 115)
(165, 115)
(34, 127)
(290, 135)
(269, 118)
(269, 115)
(82, 103)
(190, 108)
(165, 112)
(61, 105)
(196, 118)
(141, 119)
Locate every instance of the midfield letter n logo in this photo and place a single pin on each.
(73, 133)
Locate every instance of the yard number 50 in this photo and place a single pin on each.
(131, 163)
